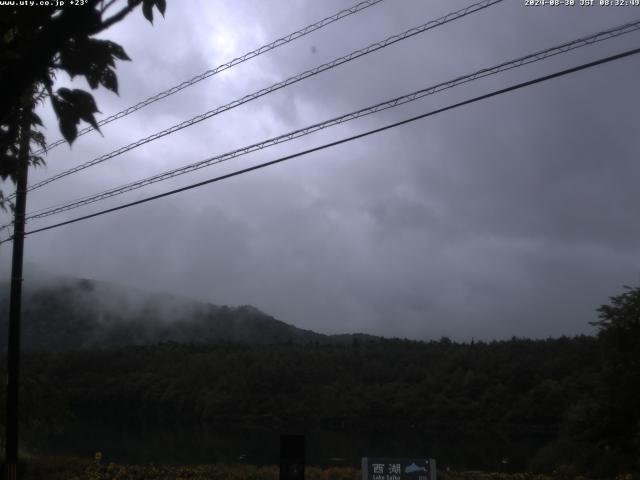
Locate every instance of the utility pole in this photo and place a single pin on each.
(15, 299)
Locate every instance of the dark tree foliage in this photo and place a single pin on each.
(216, 364)
(374, 386)
(36, 44)
(619, 410)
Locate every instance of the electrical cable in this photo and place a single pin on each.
(526, 60)
(225, 66)
(291, 80)
(345, 140)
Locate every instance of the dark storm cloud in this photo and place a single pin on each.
(514, 216)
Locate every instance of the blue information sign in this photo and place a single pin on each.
(398, 468)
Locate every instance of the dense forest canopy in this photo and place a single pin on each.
(536, 387)
(581, 392)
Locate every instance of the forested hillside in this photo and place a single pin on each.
(532, 387)
(174, 361)
(373, 385)
(66, 314)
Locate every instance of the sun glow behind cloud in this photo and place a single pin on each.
(455, 226)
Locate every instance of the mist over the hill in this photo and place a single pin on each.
(62, 313)
(512, 216)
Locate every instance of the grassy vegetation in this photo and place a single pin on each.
(72, 468)
(58, 468)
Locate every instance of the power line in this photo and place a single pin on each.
(220, 68)
(345, 140)
(291, 80)
(528, 59)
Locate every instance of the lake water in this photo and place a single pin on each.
(161, 444)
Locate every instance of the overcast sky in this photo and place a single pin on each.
(514, 216)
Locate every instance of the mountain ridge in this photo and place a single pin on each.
(67, 313)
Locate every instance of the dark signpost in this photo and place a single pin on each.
(398, 468)
(292, 457)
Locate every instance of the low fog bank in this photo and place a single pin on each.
(62, 313)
